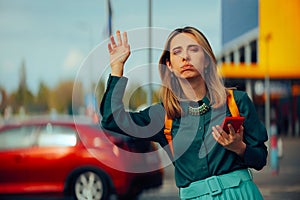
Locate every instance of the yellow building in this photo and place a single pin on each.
(267, 46)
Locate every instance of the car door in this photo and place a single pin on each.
(52, 159)
(16, 143)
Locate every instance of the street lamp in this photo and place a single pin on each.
(267, 84)
(149, 99)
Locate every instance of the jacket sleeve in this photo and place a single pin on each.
(144, 124)
(255, 134)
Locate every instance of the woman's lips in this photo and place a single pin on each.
(187, 67)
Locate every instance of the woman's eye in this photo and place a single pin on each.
(176, 52)
(194, 49)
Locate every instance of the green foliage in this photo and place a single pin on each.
(3, 100)
(22, 98)
(99, 91)
(138, 98)
(42, 98)
(66, 97)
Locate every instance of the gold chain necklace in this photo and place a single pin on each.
(198, 110)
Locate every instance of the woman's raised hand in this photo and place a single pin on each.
(119, 53)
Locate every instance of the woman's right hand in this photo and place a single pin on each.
(119, 53)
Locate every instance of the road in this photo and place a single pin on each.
(168, 191)
(284, 186)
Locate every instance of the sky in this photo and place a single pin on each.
(60, 40)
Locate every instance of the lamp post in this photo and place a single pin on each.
(267, 85)
(149, 96)
(272, 129)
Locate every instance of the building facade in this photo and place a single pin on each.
(260, 41)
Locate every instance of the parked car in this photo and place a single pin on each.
(76, 159)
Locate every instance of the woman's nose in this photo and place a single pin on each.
(185, 56)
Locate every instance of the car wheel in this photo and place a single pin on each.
(90, 185)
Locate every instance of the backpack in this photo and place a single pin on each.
(168, 122)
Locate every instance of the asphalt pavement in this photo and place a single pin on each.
(285, 185)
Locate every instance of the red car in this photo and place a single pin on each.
(75, 159)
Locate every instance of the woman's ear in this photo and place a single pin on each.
(169, 65)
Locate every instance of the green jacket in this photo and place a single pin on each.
(196, 154)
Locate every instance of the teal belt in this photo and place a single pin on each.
(215, 184)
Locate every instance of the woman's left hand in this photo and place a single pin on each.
(232, 141)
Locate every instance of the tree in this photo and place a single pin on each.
(3, 100)
(42, 98)
(62, 98)
(23, 97)
(99, 91)
(138, 97)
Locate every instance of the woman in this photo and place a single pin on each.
(209, 162)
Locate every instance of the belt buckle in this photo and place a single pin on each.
(213, 185)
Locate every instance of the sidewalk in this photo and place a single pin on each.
(285, 185)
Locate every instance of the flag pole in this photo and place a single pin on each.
(109, 18)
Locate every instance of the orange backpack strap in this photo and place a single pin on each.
(232, 104)
(167, 131)
(168, 122)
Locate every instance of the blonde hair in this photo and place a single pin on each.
(171, 89)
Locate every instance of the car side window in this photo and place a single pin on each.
(55, 135)
(20, 137)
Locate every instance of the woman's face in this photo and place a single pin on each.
(187, 58)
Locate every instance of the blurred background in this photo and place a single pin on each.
(46, 44)
(45, 47)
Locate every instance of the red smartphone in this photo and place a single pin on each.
(236, 123)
